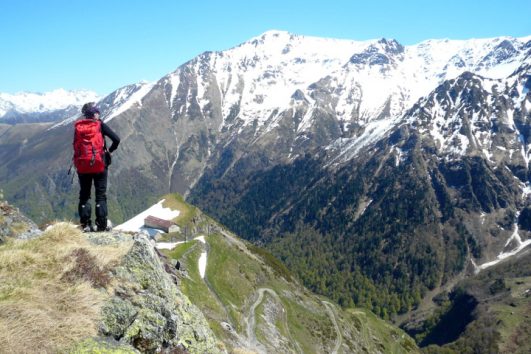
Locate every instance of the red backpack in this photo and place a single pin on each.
(88, 146)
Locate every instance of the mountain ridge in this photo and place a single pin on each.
(379, 176)
(24, 107)
(124, 291)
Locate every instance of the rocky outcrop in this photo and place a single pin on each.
(14, 224)
(147, 309)
(129, 305)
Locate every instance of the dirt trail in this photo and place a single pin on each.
(339, 340)
(251, 321)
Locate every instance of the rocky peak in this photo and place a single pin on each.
(298, 95)
(502, 52)
(380, 53)
(391, 46)
(148, 310)
(472, 115)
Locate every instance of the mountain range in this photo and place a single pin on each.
(29, 107)
(379, 173)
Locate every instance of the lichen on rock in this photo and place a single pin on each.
(102, 346)
(148, 311)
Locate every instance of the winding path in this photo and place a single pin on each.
(202, 263)
(339, 340)
(251, 320)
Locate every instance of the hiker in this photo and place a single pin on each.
(92, 159)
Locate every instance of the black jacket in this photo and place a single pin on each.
(106, 131)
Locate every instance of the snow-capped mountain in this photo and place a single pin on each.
(279, 76)
(280, 84)
(477, 115)
(278, 96)
(387, 152)
(117, 102)
(357, 82)
(42, 107)
(282, 94)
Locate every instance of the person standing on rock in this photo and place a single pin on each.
(92, 159)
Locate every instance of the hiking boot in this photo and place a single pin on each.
(87, 228)
(103, 229)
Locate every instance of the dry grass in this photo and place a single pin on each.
(52, 289)
(86, 268)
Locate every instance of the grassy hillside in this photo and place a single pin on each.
(66, 291)
(251, 300)
(490, 312)
(52, 289)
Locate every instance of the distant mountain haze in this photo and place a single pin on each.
(29, 107)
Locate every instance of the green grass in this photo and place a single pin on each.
(232, 273)
(393, 339)
(280, 321)
(195, 288)
(514, 326)
(235, 275)
(278, 267)
(179, 250)
(197, 291)
(309, 327)
(171, 237)
(282, 325)
(176, 202)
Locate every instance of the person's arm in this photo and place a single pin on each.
(112, 135)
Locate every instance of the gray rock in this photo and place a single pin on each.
(14, 224)
(107, 238)
(148, 311)
(118, 315)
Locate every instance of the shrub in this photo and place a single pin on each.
(86, 268)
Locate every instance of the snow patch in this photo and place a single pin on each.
(476, 268)
(202, 258)
(374, 131)
(167, 245)
(366, 206)
(504, 255)
(136, 224)
(175, 80)
(202, 264)
(125, 98)
(398, 156)
(134, 99)
(526, 190)
(201, 239)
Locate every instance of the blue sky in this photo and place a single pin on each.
(102, 45)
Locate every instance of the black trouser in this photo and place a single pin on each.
(84, 209)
